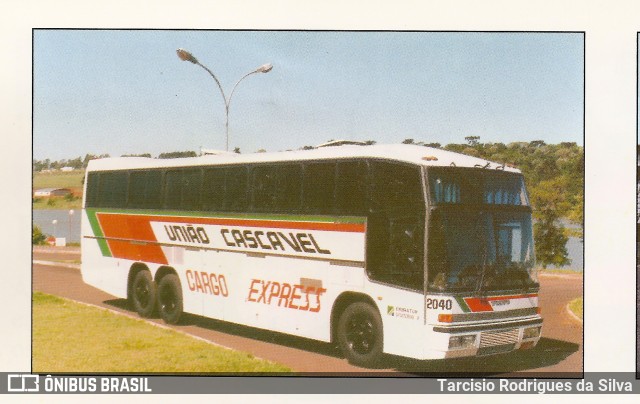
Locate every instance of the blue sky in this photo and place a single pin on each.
(126, 91)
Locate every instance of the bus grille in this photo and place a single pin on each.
(493, 338)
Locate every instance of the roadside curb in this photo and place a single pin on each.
(54, 250)
(573, 315)
(57, 264)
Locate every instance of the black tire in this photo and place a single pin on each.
(360, 335)
(143, 294)
(170, 299)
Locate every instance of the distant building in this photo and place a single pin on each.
(47, 192)
(66, 169)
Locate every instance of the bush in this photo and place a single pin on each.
(37, 236)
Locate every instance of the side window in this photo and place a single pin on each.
(154, 189)
(93, 182)
(264, 188)
(235, 199)
(191, 183)
(145, 189)
(112, 191)
(396, 187)
(182, 189)
(318, 189)
(173, 189)
(213, 188)
(289, 196)
(351, 188)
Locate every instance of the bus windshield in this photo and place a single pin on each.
(480, 231)
(480, 250)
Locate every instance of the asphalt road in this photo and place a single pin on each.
(558, 354)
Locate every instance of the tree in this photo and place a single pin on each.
(550, 202)
(175, 155)
(472, 140)
(408, 141)
(37, 236)
(137, 155)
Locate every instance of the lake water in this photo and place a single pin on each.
(68, 226)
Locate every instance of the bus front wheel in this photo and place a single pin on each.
(143, 294)
(170, 298)
(360, 334)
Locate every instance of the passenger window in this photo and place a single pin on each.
(113, 189)
(182, 189)
(145, 189)
(351, 188)
(289, 188)
(93, 182)
(264, 188)
(318, 193)
(235, 199)
(396, 187)
(213, 189)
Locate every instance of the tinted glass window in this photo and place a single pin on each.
(289, 188)
(473, 186)
(319, 183)
(213, 188)
(145, 189)
(236, 189)
(351, 188)
(264, 188)
(182, 189)
(396, 187)
(191, 181)
(91, 197)
(113, 189)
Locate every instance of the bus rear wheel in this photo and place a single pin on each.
(170, 299)
(360, 334)
(143, 294)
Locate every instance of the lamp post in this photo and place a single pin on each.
(71, 212)
(188, 57)
(54, 222)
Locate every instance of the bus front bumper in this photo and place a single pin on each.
(487, 339)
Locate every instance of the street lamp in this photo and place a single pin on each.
(188, 57)
(71, 212)
(54, 222)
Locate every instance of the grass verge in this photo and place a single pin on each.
(58, 179)
(71, 337)
(576, 307)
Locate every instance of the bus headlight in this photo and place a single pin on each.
(532, 332)
(462, 341)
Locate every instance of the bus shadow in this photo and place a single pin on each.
(548, 352)
(243, 331)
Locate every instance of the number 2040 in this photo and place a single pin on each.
(442, 304)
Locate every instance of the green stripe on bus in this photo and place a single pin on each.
(283, 217)
(463, 304)
(97, 231)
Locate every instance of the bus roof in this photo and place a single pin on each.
(419, 155)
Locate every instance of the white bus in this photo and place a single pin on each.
(397, 249)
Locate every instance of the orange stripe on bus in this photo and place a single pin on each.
(339, 227)
(131, 228)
